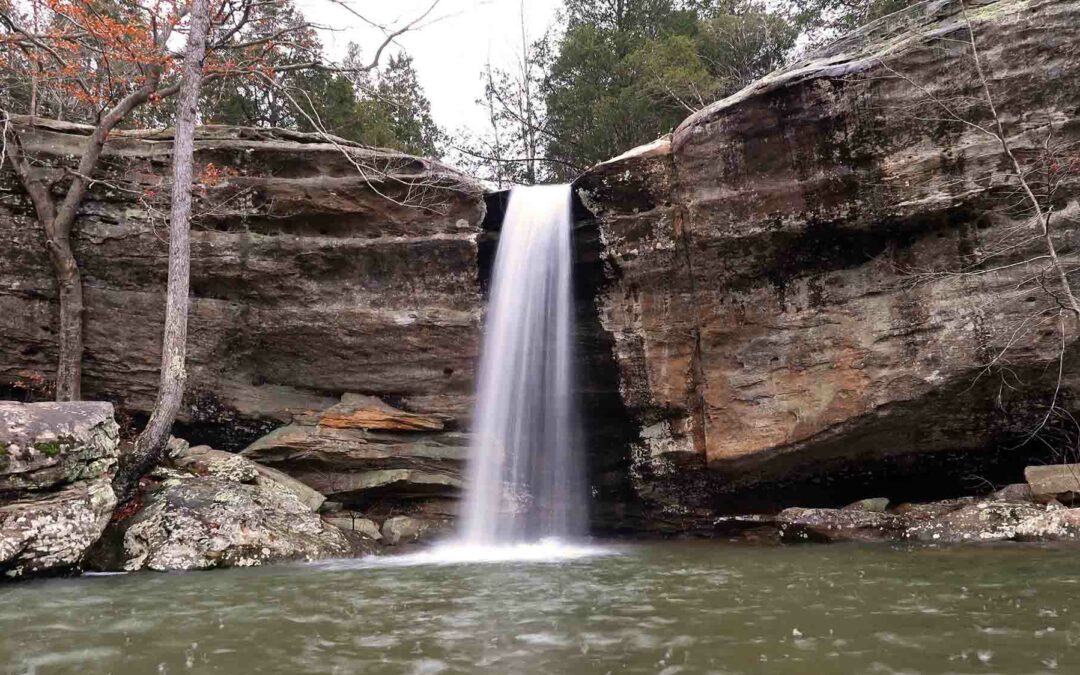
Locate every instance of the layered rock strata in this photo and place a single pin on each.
(317, 268)
(367, 455)
(826, 285)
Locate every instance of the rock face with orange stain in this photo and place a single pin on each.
(821, 289)
(371, 456)
(369, 412)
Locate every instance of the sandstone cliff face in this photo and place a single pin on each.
(777, 300)
(310, 277)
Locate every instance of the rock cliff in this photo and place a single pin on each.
(823, 288)
(826, 286)
(316, 269)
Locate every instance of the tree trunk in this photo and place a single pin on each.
(151, 442)
(69, 282)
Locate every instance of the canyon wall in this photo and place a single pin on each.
(823, 288)
(317, 269)
(830, 284)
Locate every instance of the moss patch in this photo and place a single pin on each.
(54, 448)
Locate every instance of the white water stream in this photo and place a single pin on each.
(525, 482)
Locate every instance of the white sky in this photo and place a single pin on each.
(449, 52)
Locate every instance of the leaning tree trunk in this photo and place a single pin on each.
(151, 442)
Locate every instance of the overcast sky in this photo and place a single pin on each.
(450, 51)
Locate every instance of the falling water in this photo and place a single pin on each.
(525, 479)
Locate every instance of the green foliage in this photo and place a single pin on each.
(388, 110)
(627, 71)
(823, 20)
(52, 448)
(395, 112)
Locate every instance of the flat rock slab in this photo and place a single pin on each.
(836, 525)
(1055, 481)
(980, 522)
(368, 412)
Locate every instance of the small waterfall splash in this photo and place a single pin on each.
(525, 479)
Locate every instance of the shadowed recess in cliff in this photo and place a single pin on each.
(525, 478)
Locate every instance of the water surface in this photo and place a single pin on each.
(651, 608)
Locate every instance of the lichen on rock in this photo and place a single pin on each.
(56, 495)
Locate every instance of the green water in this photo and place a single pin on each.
(656, 608)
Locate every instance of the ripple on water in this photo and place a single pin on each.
(648, 609)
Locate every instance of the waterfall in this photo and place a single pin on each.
(525, 479)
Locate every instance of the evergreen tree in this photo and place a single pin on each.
(394, 112)
(627, 71)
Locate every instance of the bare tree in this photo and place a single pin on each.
(151, 442)
(513, 150)
(1027, 247)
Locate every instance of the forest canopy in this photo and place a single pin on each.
(610, 75)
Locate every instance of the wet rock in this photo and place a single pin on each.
(399, 530)
(1059, 482)
(1056, 524)
(836, 525)
(203, 522)
(56, 466)
(874, 505)
(978, 522)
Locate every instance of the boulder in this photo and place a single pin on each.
(1059, 482)
(978, 522)
(400, 530)
(313, 499)
(202, 522)
(57, 461)
(206, 461)
(838, 525)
